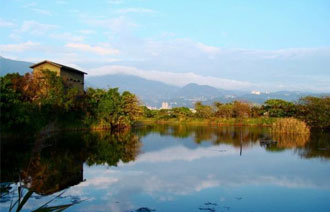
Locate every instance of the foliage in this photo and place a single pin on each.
(203, 111)
(223, 110)
(182, 113)
(33, 101)
(315, 111)
(241, 109)
(290, 126)
(15, 112)
(279, 108)
(112, 109)
(148, 113)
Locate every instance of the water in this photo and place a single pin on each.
(167, 168)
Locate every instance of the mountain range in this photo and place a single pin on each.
(153, 93)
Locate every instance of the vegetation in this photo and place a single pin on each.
(30, 102)
(45, 166)
(315, 111)
(311, 145)
(290, 126)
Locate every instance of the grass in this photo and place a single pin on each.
(290, 126)
(260, 121)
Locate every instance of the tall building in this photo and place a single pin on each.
(165, 105)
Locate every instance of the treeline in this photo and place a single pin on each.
(315, 111)
(30, 102)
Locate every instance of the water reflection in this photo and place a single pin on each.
(50, 164)
(315, 145)
(153, 165)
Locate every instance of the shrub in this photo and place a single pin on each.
(315, 111)
(279, 108)
(290, 126)
(286, 141)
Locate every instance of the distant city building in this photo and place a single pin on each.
(192, 110)
(151, 108)
(256, 92)
(165, 105)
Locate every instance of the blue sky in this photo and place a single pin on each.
(250, 44)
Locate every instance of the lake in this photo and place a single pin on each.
(167, 168)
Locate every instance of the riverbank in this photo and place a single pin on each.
(260, 121)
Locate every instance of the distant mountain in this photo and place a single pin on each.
(149, 91)
(194, 90)
(12, 66)
(153, 93)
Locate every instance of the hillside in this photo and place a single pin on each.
(153, 93)
(11, 66)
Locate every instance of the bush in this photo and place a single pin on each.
(290, 126)
(315, 111)
(279, 108)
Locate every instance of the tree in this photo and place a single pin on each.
(241, 109)
(223, 110)
(315, 111)
(181, 112)
(203, 111)
(131, 107)
(279, 108)
(109, 110)
(15, 113)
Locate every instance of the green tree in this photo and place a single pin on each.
(182, 113)
(241, 109)
(223, 110)
(15, 113)
(203, 111)
(279, 108)
(131, 107)
(315, 111)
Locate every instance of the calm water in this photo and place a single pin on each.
(167, 168)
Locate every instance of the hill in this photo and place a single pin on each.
(153, 93)
(12, 66)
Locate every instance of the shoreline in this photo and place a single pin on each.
(53, 128)
(262, 122)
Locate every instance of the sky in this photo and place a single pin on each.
(233, 44)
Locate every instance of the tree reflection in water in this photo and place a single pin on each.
(315, 145)
(48, 165)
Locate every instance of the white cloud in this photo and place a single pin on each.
(19, 47)
(42, 11)
(181, 153)
(136, 10)
(92, 49)
(208, 49)
(68, 37)
(86, 31)
(116, 25)
(4, 23)
(99, 182)
(115, 1)
(178, 79)
(36, 28)
(34, 7)
(61, 2)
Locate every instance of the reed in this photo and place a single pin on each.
(288, 141)
(290, 126)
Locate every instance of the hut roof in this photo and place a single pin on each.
(58, 65)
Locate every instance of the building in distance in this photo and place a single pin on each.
(165, 105)
(72, 77)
